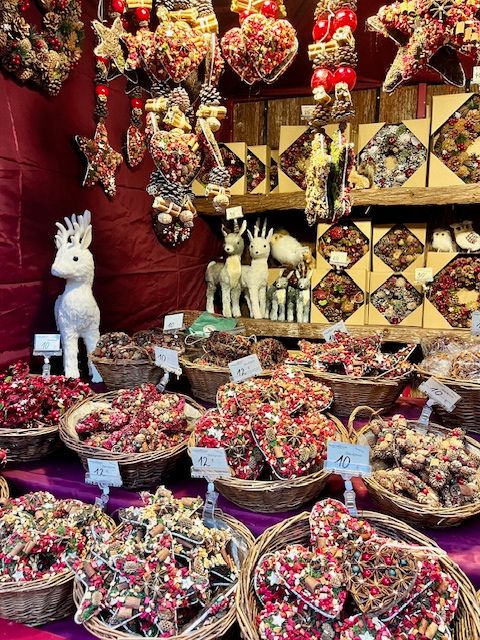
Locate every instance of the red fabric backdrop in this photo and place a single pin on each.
(137, 279)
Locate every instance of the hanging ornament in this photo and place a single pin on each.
(264, 45)
(135, 140)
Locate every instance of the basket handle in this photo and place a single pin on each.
(351, 420)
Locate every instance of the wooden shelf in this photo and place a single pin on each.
(405, 196)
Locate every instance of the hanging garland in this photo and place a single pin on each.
(44, 58)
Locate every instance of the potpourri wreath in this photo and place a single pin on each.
(445, 292)
(42, 57)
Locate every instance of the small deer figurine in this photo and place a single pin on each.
(254, 277)
(303, 294)
(277, 298)
(76, 312)
(227, 274)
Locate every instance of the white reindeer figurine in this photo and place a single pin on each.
(255, 276)
(277, 298)
(303, 295)
(76, 312)
(227, 274)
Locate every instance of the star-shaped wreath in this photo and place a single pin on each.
(102, 160)
(109, 45)
(430, 33)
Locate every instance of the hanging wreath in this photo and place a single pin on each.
(44, 57)
(455, 291)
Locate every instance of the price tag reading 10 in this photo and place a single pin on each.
(350, 459)
(440, 393)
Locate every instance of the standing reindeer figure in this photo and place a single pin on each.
(227, 274)
(255, 276)
(76, 312)
(303, 294)
(277, 298)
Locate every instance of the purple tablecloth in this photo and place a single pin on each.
(63, 475)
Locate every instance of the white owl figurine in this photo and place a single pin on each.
(466, 238)
(442, 241)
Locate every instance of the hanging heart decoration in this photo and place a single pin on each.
(175, 154)
(179, 48)
(237, 56)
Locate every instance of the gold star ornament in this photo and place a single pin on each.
(109, 45)
(102, 161)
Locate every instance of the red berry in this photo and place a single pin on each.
(142, 14)
(269, 9)
(322, 78)
(323, 29)
(102, 90)
(118, 6)
(103, 60)
(244, 15)
(345, 18)
(136, 103)
(125, 24)
(345, 75)
(24, 6)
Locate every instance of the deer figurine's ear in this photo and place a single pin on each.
(243, 228)
(86, 238)
(270, 234)
(249, 233)
(309, 274)
(224, 231)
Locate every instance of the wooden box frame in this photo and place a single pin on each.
(418, 229)
(240, 186)
(359, 276)
(364, 226)
(274, 159)
(414, 319)
(262, 153)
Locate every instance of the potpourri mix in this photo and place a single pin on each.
(120, 346)
(223, 347)
(28, 402)
(270, 428)
(162, 571)
(352, 583)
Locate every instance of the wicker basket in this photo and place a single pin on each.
(127, 374)
(213, 631)
(40, 601)
(465, 414)
(350, 393)
(138, 470)
(296, 530)
(29, 444)
(4, 490)
(410, 510)
(271, 496)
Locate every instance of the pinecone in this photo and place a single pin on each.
(51, 21)
(180, 98)
(160, 90)
(209, 95)
(342, 109)
(321, 115)
(346, 55)
(327, 6)
(219, 176)
(181, 4)
(160, 186)
(101, 109)
(168, 4)
(136, 118)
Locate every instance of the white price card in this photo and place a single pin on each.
(173, 321)
(440, 394)
(424, 275)
(234, 213)
(339, 259)
(335, 328)
(348, 459)
(47, 343)
(475, 329)
(168, 360)
(307, 111)
(476, 75)
(103, 472)
(209, 463)
(245, 368)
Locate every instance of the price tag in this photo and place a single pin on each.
(103, 472)
(234, 213)
(476, 75)
(440, 394)
(424, 275)
(245, 368)
(348, 459)
(173, 321)
(307, 111)
(209, 463)
(339, 259)
(335, 328)
(47, 343)
(167, 359)
(475, 323)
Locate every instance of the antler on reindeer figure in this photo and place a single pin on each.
(76, 311)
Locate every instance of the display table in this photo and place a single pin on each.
(63, 475)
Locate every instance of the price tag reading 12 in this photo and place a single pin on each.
(209, 463)
(103, 472)
(440, 393)
(348, 459)
(245, 368)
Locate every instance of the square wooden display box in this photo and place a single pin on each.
(290, 135)
(443, 109)
(432, 318)
(239, 151)
(375, 317)
(260, 155)
(363, 226)
(273, 177)
(419, 128)
(418, 230)
(359, 278)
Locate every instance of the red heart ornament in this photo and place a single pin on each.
(271, 45)
(179, 49)
(173, 155)
(236, 55)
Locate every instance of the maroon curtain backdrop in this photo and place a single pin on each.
(137, 279)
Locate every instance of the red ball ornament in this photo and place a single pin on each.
(136, 103)
(322, 78)
(24, 6)
(346, 75)
(142, 14)
(345, 18)
(102, 90)
(269, 9)
(125, 24)
(323, 29)
(103, 60)
(118, 6)
(244, 15)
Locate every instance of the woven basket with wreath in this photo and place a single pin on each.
(213, 631)
(395, 500)
(139, 469)
(296, 531)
